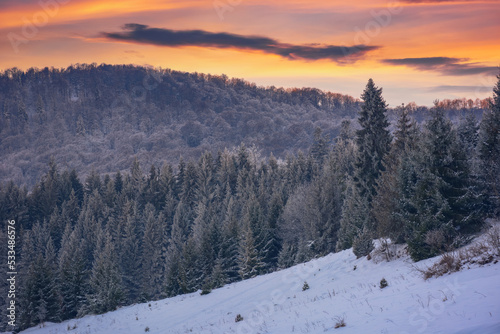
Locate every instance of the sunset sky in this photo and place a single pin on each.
(417, 50)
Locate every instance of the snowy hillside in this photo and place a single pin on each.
(340, 287)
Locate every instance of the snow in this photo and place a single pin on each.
(464, 302)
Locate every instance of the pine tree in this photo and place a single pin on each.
(129, 248)
(73, 272)
(489, 151)
(250, 263)
(373, 142)
(106, 289)
(152, 256)
(391, 184)
(39, 295)
(444, 200)
(228, 250)
(319, 149)
(355, 215)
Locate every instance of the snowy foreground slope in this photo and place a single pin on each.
(464, 302)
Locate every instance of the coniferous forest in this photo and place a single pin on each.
(87, 245)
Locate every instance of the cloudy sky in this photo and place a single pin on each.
(417, 50)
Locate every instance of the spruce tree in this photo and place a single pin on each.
(106, 289)
(39, 292)
(373, 143)
(373, 140)
(73, 272)
(391, 184)
(152, 256)
(489, 151)
(129, 247)
(444, 200)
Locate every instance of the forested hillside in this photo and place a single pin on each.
(90, 244)
(101, 118)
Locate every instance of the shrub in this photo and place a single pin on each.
(493, 237)
(340, 322)
(448, 263)
(305, 286)
(205, 291)
(238, 318)
(383, 283)
(146, 329)
(362, 245)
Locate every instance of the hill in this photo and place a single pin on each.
(101, 118)
(341, 288)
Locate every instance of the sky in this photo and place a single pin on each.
(416, 50)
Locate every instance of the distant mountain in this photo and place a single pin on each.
(102, 117)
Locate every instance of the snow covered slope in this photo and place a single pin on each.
(341, 287)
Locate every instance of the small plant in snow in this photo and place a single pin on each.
(146, 329)
(205, 290)
(340, 322)
(493, 237)
(383, 283)
(305, 286)
(238, 318)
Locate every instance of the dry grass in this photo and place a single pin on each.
(484, 250)
(340, 322)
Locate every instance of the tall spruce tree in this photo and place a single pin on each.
(391, 183)
(489, 151)
(73, 272)
(373, 143)
(106, 288)
(152, 254)
(444, 200)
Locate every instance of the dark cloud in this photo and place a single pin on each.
(444, 65)
(140, 33)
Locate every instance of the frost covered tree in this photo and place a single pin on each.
(489, 151)
(444, 199)
(38, 289)
(129, 251)
(393, 181)
(73, 273)
(152, 254)
(106, 288)
(373, 143)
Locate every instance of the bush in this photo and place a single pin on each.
(383, 283)
(340, 322)
(238, 318)
(448, 263)
(362, 245)
(493, 237)
(305, 286)
(146, 329)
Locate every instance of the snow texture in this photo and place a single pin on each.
(341, 287)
